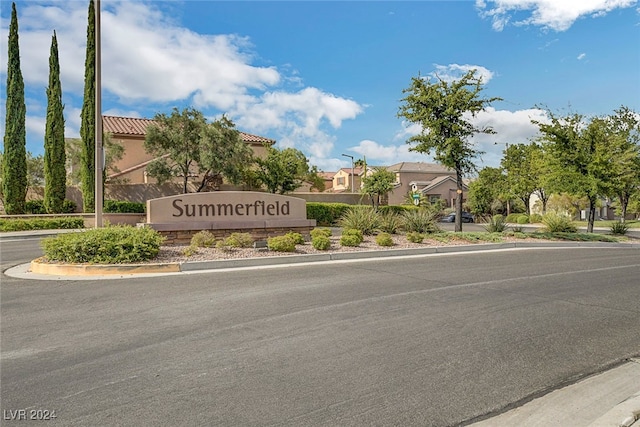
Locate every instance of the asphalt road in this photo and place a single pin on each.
(429, 341)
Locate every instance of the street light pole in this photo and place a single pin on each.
(98, 123)
(351, 157)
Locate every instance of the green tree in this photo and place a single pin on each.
(620, 158)
(444, 111)
(223, 154)
(282, 171)
(113, 151)
(185, 146)
(576, 149)
(488, 192)
(88, 117)
(378, 184)
(14, 172)
(55, 181)
(521, 179)
(35, 170)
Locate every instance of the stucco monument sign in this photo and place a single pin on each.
(224, 212)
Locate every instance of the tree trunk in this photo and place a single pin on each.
(592, 214)
(458, 225)
(624, 201)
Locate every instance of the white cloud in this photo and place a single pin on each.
(557, 15)
(451, 72)
(149, 60)
(581, 56)
(385, 155)
(511, 127)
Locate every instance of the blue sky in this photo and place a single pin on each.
(327, 77)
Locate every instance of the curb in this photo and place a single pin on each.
(39, 267)
(628, 412)
(52, 269)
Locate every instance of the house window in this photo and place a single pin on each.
(397, 177)
(341, 180)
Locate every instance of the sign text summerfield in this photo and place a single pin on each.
(245, 207)
(257, 208)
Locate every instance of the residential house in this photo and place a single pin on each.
(130, 133)
(434, 181)
(342, 180)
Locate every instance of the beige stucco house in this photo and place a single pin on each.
(434, 181)
(342, 180)
(130, 133)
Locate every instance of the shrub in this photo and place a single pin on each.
(496, 224)
(555, 223)
(360, 217)
(36, 207)
(619, 228)
(326, 213)
(535, 218)
(355, 233)
(109, 245)
(123, 206)
(349, 240)
(190, 250)
(384, 239)
(239, 240)
(421, 221)
(512, 218)
(396, 209)
(321, 243)
(281, 244)
(523, 219)
(41, 224)
(320, 232)
(390, 222)
(203, 239)
(297, 238)
(415, 237)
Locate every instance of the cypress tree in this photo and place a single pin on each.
(15, 137)
(88, 116)
(55, 174)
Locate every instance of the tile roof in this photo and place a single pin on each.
(138, 126)
(419, 167)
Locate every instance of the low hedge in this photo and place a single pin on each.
(109, 245)
(36, 207)
(123, 206)
(40, 224)
(326, 214)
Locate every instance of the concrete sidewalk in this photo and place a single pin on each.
(608, 399)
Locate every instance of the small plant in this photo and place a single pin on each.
(523, 219)
(555, 223)
(203, 239)
(384, 239)
(535, 218)
(415, 237)
(190, 250)
(349, 240)
(390, 222)
(320, 232)
(496, 224)
(619, 228)
(363, 218)
(420, 221)
(281, 244)
(297, 238)
(321, 243)
(355, 233)
(512, 218)
(239, 240)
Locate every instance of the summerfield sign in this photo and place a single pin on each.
(262, 214)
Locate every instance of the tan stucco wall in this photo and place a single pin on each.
(398, 194)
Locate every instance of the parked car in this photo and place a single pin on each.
(466, 217)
